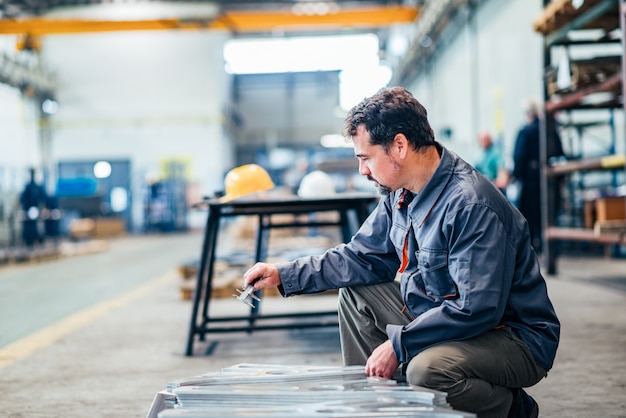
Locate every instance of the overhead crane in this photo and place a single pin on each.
(234, 21)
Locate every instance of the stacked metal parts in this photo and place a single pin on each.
(263, 390)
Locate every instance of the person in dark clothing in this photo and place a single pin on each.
(32, 200)
(526, 169)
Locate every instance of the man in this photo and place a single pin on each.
(491, 164)
(32, 200)
(526, 170)
(469, 314)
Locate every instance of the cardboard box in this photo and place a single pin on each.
(610, 208)
(589, 213)
(109, 227)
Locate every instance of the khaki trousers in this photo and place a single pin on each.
(477, 374)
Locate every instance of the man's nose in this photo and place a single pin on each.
(363, 169)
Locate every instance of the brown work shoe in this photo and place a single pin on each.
(523, 406)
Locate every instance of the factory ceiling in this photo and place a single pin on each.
(429, 23)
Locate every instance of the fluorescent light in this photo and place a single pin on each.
(102, 169)
(335, 141)
(300, 54)
(119, 199)
(356, 84)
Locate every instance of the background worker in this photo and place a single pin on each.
(32, 201)
(491, 162)
(469, 314)
(526, 169)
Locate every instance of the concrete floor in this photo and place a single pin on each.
(99, 335)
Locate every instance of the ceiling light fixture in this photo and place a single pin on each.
(315, 9)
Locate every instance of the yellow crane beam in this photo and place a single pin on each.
(240, 22)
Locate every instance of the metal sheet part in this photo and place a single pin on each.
(378, 407)
(263, 390)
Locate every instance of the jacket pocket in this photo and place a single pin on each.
(438, 283)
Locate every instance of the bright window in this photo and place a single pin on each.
(356, 56)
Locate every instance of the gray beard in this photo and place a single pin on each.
(383, 190)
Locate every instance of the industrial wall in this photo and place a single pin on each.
(152, 98)
(19, 144)
(19, 150)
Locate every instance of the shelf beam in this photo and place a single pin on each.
(584, 234)
(588, 164)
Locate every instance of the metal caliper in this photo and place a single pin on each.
(246, 294)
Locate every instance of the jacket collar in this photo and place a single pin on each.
(421, 204)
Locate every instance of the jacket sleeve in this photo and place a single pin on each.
(369, 258)
(480, 262)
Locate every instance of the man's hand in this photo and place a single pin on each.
(383, 361)
(262, 275)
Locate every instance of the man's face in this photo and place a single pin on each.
(484, 140)
(374, 163)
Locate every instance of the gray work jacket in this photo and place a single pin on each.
(471, 266)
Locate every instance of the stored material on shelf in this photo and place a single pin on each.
(606, 227)
(585, 73)
(603, 211)
(612, 84)
(610, 208)
(559, 14)
(613, 161)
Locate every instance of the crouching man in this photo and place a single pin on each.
(441, 278)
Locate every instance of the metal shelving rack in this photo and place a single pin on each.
(558, 19)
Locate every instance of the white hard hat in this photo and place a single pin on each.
(316, 184)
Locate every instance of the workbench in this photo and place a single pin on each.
(353, 209)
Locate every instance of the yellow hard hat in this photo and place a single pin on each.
(246, 179)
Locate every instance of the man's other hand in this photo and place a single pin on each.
(382, 362)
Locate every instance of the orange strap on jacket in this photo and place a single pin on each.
(405, 252)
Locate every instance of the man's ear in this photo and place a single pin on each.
(401, 145)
